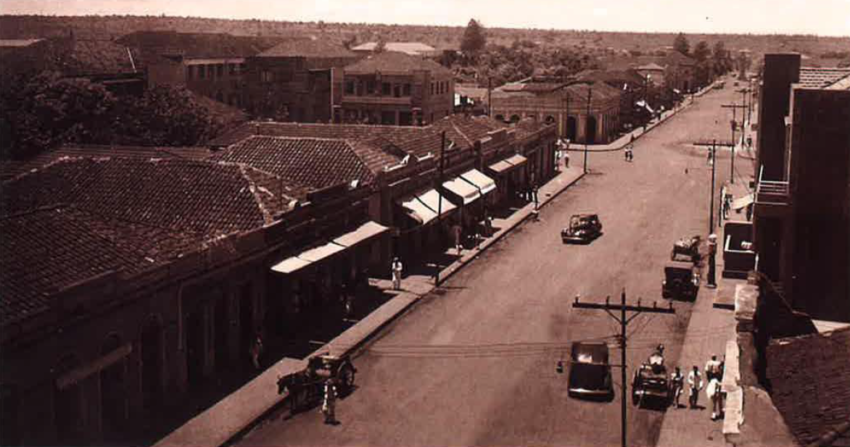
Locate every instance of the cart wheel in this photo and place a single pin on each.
(635, 397)
(346, 378)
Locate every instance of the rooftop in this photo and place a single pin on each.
(395, 62)
(411, 48)
(811, 77)
(153, 45)
(71, 57)
(810, 382)
(307, 48)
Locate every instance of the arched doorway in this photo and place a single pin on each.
(500, 117)
(151, 347)
(550, 119)
(68, 405)
(572, 128)
(515, 118)
(590, 130)
(195, 347)
(113, 396)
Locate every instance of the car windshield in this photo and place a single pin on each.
(588, 376)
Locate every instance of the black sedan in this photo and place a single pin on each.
(590, 372)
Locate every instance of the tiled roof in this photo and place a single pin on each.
(152, 45)
(576, 90)
(395, 62)
(412, 48)
(170, 194)
(46, 250)
(822, 77)
(650, 66)
(412, 140)
(465, 130)
(316, 163)
(810, 382)
(527, 127)
(308, 48)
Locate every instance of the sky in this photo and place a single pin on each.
(823, 17)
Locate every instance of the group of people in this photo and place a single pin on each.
(696, 383)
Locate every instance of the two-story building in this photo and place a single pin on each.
(394, 88)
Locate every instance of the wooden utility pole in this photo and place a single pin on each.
(624, 322)
(589, 93)
(713, 145)
(734, 108)
(440, 203)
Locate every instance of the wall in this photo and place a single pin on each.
(780, 71)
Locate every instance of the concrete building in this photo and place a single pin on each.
(393, 88)
(298, 80)
(583, 112)
(802, 197)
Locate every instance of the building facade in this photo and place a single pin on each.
(583, 112)
(393, 88)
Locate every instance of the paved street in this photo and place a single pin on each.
(475, 364)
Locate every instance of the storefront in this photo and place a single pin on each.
(472, 192)
(510, 177)
(429, 217)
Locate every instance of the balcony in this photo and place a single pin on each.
(772, 196)
(372, 99)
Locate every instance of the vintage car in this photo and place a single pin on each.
(649, 384)
(681, 281)
(687, 248)
(583, 228)
(590, 372)
(306, 387)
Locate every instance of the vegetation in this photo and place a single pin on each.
(46, 110)
(474, 40)
(681, 44)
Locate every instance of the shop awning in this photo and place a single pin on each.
(321, 252)
(431, 199)
(483, 183)
(290, 265)
(463, 189)
(508, 164)
(742, 202)
(365, 232)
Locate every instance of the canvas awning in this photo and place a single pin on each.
(479, 180)
(290, 265)
(508, 164)
(742, 202)
(423, 207)
(365, 232)
(463, 189)
(321, 252)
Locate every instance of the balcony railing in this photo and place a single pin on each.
(372, 99)
(772, 192)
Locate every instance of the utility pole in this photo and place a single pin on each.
(489, 98)
(589, 93)
(440, 203)
(624, 322)
(734, 108)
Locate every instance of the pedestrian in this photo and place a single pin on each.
(256, 349)
(567, 155)
(329, 403)
(714, 393)
(712, 368)
(695, 386)
(396, 268)
(457, 232)
(677, 385)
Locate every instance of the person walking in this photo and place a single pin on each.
(714, 393)
(567, 155)
(457, 232)
(396, 268)
(677, 384)
(329, 403)
(712, 369)
(695, 385)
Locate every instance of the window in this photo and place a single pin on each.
(397, 91)
(242, 68)
(370, 87)
(219, 70)
(406, 89)
(265, 76)
(432, 89)
(202, 72)
(231, 68)
(190, 72)
(349, 87)
(386, 89)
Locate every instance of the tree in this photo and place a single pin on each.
(474, 39)
(702, 51)
(681, 44)
(720, 58)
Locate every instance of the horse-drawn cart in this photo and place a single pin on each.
(306, 388)
(650, 383)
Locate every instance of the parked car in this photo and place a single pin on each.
(583, 228)
(590, 372)
(681, 281)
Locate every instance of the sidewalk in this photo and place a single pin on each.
(238, 412)
(621, 142)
